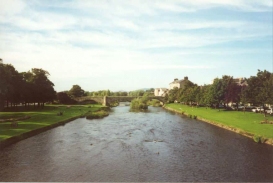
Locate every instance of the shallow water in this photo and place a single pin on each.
(126, 146)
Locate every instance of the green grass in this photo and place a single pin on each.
(97, 114)
(247, 122)
(41, 117)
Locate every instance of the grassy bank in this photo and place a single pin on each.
(248, 124)
(40, 118)
(101, 113)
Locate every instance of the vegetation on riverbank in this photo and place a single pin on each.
(235, 92)
(154, 103)
(248, 124)
(139, 104)
(39, 118)
(101, 113)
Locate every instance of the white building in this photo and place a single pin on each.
(160, 92)
(178, 83)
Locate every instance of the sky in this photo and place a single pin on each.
(132, 44)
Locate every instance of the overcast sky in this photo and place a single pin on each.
(132, 44)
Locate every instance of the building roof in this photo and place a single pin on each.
(164, 89)
(179, 81)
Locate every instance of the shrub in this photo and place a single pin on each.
(256, 139)
(139, 104)
(262, 139)
(97, 114)
(259, 139)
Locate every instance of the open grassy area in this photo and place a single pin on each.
(247, 122)
(41, 117)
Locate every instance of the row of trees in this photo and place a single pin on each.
(66, 97)
(77, 91)
(24, 87)
(257, 91)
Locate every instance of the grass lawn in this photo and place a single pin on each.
(248, 122)
(40, 118)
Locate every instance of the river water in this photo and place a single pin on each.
(127, 146)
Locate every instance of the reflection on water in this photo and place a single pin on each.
(132, 146)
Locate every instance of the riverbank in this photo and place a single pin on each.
(39, 120)
(247, 124)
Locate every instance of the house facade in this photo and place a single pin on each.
(178, 83)
(160, 92)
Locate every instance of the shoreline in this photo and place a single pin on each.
(268, 141)
(12, 140)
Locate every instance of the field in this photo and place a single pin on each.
(39, 118)
(248, 122)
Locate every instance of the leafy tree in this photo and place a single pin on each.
(43, 87)
(172, 96)
(76, 91)
(233, 93)
(32, 86)
(64, 98)
(218, 90)
(10, 84)
(136, 93)
(205, 95)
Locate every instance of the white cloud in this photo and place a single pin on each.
(11, 7)
(98, 37)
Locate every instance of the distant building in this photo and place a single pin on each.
(178, 83)
(1, 60)
(160, 92)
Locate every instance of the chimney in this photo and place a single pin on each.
(175, 79)
(186, 78)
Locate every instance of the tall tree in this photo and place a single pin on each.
(10, 84)
(44, 91)
(233, 93)
(259, 89)
(76, 91)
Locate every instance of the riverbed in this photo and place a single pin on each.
(137, 146)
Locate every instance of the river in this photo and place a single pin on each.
(128, 146)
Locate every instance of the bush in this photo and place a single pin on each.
(97, 114)
(154, 103)
(259, 139)
(262, 139)
(256, 139)
(139, 104)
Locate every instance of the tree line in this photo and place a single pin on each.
(24, 87)
(66, 97)
(257, 90)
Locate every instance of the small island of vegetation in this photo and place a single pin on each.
(139, 104)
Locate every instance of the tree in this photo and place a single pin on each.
(219, 89)
(76, 91)
(43, 87)
(205, 95)
(10, 85)
(233, 93)
(259, 89)
(172, 96)
(63, 98)
(136, 93)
